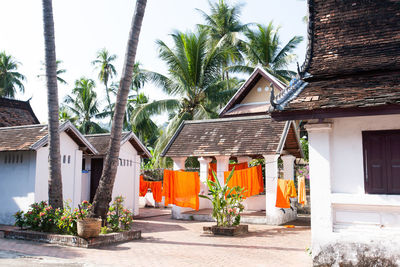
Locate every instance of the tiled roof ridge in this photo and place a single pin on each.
(228, 119)
(23, 126)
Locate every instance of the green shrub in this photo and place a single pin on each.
(118, 217)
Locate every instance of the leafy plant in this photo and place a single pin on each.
(118, 217)
(226, 201)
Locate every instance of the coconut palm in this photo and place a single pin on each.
(224, 26)
(84, 106)
(103, 194)
(65, 115)
(107, 71)
(263, 48)
(59, 72)
(194, 79)
(55, 181)
(10, 79)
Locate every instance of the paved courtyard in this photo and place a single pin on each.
(169, 242)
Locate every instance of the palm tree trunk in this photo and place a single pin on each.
(109, 102)
(55, 181)
(103, 194)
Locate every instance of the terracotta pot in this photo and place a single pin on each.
(89, 227)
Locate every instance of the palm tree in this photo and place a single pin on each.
(107, 71)
(10, 79)
(59, 72)
(194, 79)
(103, 194)
(224, 26)
(65, 115)
(263, 48)
(55, 181)
(83, 104)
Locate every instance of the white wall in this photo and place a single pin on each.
(17, 183)
(71, 169)
(127, 178)
(354, 215)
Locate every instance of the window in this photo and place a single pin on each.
(64, 158)
(69, 159)
(381, 162)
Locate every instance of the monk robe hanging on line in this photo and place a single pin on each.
(302, 191)
(285, 191)
(181, 188)
(143, 186)
(213, 167)
(250, 179)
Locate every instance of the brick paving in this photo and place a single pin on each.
(169, 242)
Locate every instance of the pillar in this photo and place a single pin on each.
(179, 164)
(271, 180)
(320, 182)
(288, 167)
(204, 162)
(222, 166)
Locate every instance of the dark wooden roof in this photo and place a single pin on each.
(15, 113)
(101, 142)
(352, 66)
(241, 136)
(32, 137)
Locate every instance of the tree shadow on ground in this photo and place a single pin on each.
(154, 227)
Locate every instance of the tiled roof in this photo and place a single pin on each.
(21, 137)
(353, 36)
(241, 136)
(352, 66)
(15, 113)
(101, 142)
(247, 109)
(32, 137)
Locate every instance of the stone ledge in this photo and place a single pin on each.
(227, 231)
(73, 241)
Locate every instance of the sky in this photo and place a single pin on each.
(82, 27)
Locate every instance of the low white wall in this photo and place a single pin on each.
(17, 183)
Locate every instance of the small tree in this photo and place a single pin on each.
(226, 201)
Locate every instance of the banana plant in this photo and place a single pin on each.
(226, 201)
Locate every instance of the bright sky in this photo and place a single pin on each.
(84, 27)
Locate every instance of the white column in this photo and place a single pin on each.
(136, 173)
(77, 179)
(179, 163)
(320, 182)
(222, 166)
(204, 168)
(204, 203)
(271, 181)
(288, 167)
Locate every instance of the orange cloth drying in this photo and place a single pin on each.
(143, 186)
(302, 191)
(238, 166)
(291, 189)
(156, 189)
(181, 188)
(282, 198)
(249, 179)
(212, 167)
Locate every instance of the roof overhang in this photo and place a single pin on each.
(74, 133)
(137, 144)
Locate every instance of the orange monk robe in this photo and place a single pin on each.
(212, 167)
(291, 189)
(302, 191)
(156, 189)
(182, 188)
(282, 198)
(238, 166)
(249, 179)
(143, 186)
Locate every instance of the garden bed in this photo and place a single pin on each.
(227, 231)
(73, 241)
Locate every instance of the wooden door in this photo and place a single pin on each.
(95, 175)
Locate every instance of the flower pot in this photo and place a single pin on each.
(89, 227)
(227, 230)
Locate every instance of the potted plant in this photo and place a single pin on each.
(87, 227)
(227, 205)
